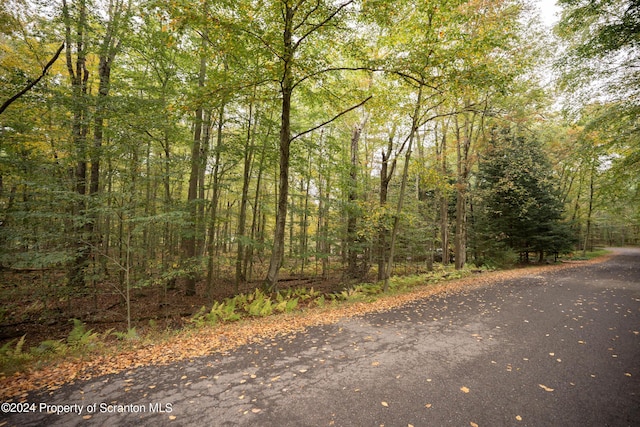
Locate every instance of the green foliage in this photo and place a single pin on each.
(520, 208)
(12, 358)
(49, 348)
(129, 335)
(258, 305)
(80, 338)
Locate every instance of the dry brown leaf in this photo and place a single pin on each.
(203, 342)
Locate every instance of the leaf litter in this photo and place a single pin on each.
(226, 337)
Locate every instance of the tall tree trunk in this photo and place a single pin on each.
(403, 185)
(587, 234)
(213, 215)
(465, 136)
(304, 219)
(242, 218)
(109, 48)
(202, 174)
(256, 208)
(463, 141)
(189, 241)
(385, 178)
(443, 197)
(286, 88)
(354, 269)
(79, 76)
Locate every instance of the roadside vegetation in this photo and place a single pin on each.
(84, 344)
(172, 166)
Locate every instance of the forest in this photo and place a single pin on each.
(160, 156)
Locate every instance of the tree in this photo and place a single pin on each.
(600, 74)
(520, 206)
(299, 22)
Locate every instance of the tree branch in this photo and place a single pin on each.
(342, 113)
(34, 82)
(315, 27)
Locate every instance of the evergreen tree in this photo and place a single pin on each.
(520, 207)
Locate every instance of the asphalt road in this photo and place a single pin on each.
(559, 349)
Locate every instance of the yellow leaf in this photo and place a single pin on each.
(545, 388)
(464, 389)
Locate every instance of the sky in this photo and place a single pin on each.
(548, 10)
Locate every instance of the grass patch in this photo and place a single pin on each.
(579, 256)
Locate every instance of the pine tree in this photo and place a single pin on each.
(520, 206)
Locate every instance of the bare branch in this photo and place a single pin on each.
(34, 82)
(315, 27)
(308, 14)
(342, 113)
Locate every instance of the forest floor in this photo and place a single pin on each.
(33, 306)
(165, 348)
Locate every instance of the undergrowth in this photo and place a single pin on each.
(82, 342)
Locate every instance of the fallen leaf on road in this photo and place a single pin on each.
(385, 404)
(428, 405)
(464, 389)
(545, 388)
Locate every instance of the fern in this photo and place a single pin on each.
(130, 335)
(79, 337)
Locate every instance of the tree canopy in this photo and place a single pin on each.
(210, 147)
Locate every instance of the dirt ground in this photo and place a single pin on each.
(32, 304)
